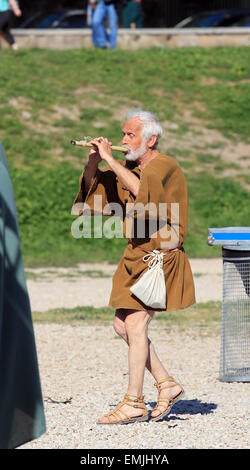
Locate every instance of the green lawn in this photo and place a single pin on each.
(48, 98)
(202, 316)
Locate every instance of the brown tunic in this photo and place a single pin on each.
(161, 181)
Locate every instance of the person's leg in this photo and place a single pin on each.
(113, 26)
(5, 29)
(4, 17)
(98, 29)
(136, 323)
(153, 363)
(136, 326)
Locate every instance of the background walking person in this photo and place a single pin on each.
(105, 9)
(132, 16)
(90, 11)
(6, 7)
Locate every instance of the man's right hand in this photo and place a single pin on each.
(94, 157)
(90, 169)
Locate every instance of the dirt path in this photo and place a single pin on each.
(90, 284)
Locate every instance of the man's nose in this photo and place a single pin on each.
(124, 140)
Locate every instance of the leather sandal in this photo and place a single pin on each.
(131, 400)
(164, 401)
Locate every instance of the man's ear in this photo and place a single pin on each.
(152, 141)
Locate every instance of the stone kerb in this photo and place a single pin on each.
(134, 39)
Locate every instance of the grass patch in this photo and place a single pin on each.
(245, 157)
(187, 164)
(85, 92)
(246, 177)
(75, 316)
(202, 315)
(92, 273)
(206, 158)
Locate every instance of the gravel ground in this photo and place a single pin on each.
(83, 371)
(69, 288)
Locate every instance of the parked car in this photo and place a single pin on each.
(214, 18)
(243, 22)
(59, 19)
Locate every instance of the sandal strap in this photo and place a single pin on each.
(168, 379)
(164, 402)
(120, 414)
(130, 400)
(134, 397)
(116, 414)
(136, 402)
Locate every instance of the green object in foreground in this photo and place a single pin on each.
(21, 405)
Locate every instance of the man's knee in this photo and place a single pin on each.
(119, 323)
(136, 322)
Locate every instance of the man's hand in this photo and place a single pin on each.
(94, 157)
(103, 149)
(127, 178)
(100, 151)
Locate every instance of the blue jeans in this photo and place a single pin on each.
(99, 34)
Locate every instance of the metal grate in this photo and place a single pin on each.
(235, 338)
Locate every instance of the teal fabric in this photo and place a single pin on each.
(22, 416)
(4, 5)
(132, 13)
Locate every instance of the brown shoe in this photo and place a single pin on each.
(122, 418)
(165, 401)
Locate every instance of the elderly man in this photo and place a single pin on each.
(146, 175)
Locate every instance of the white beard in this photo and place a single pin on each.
(134, 154)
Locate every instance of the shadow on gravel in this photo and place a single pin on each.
(188, 407)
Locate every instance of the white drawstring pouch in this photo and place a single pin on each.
(151, 287)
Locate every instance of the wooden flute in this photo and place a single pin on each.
(83, 143)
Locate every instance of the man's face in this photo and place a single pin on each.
(133, 139)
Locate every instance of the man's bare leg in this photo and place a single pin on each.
(136, 327)
(136, 323)
(153, 363)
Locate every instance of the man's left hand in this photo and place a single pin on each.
(104, 148)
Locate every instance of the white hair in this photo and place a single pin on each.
(150, 123)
